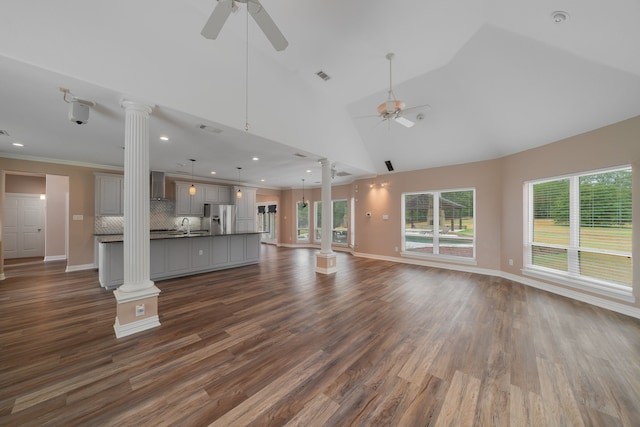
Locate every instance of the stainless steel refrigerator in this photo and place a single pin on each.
(221, 219)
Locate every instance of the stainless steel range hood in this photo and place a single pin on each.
(157, 185)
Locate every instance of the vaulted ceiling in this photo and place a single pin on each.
(498, 76)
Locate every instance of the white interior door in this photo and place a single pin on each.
(23, 228)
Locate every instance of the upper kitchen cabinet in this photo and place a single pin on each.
(246, 214)
(187, 205)
(217, 194)
(109, 195)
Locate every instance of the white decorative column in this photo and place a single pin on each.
(137, 297)
(326, 258)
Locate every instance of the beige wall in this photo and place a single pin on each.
(81, 202)
(381, 237)
(57, 190)
(610, 146)
(498, 183)
(499, 187)
(26, 184)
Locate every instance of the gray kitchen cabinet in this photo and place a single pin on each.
(109, 195)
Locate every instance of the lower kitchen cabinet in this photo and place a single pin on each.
(176, 257)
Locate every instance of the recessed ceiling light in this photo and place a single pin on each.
(164, 138)
(262, 180)
(308, 170)
(255, 159)
(213, 172)
(559, 17)
(17, 144)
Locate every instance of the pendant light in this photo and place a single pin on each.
(304, 202)
(239, 192)
(192, 189)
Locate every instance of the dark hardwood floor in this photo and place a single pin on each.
(276, 344)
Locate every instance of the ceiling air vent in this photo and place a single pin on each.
(324, 76)
(299, 155)
(4, 133)
(343, 173)
(389, 165)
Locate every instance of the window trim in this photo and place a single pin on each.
(571, 278)
(437, 256)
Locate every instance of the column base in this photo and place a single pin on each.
(326, 263)
(136, 312)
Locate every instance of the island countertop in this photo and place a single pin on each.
(155, 235)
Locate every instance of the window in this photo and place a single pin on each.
(340, 221)
(302, 222)
(439, 223)
(267, 222)
(579, 230)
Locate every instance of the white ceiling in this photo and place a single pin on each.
(499, 75)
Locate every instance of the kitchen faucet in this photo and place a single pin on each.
(188, 226)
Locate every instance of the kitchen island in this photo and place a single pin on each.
(175, 254)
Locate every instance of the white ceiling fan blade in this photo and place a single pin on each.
(425, 107)
(217, 19)
(266, 24)
(404, 121)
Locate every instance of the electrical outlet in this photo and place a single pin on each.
(140, 310)
(510, 261)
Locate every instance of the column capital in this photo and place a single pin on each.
(131, 104)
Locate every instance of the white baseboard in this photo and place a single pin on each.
(569, 293)
(314, 246)
(135, 327)
(80, 267)
(55, 258)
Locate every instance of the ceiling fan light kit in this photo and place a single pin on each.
(392, 108)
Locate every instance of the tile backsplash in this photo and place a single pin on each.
(162, 217)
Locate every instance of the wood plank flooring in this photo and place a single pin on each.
(275, 344)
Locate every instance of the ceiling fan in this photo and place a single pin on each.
(392, 108)
(224, 8)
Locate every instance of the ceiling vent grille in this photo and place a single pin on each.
(4, 133)
(389, 165)
(343, 173)
(299, 155)
(324, 76)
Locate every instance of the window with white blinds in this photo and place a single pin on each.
(580, 229)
